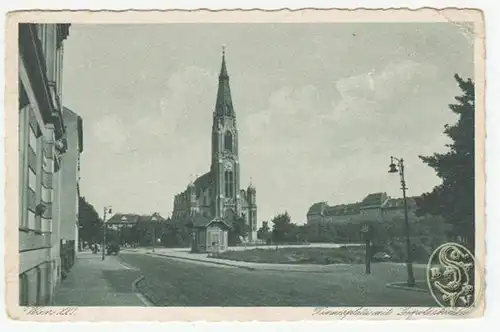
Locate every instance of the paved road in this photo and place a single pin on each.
(172, 282)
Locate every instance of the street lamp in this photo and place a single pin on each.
(154, 220)
(107, 209)
(397, 166)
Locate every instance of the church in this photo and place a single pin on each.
(215, 199)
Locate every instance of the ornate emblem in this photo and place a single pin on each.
(450, 275)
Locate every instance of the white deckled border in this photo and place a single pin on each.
(207, 16)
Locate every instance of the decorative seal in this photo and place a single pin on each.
(451, 275)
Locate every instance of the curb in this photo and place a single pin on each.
(402, 285)
(236, 266)
(264, 269)
(143, 297)
(202, 261)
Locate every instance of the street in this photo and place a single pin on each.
(173, 282)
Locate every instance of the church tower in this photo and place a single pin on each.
(225, 167)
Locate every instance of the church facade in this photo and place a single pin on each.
(217, 195)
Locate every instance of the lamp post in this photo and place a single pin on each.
(154, 220)
(397, 166)
(366, 230)
(107, 209)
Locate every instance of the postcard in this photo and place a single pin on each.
(245, 165)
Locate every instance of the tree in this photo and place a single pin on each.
(89, 222)
(454, 197)
(264, 232)
(238, 231)
(282, 226)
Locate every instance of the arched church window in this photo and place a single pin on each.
(228, 141)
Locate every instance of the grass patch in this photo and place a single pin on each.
(320, 256)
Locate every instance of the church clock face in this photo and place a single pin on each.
(228, 166)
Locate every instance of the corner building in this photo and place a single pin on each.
(217, 194)
(42, 146)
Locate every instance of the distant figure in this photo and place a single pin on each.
(244, 241)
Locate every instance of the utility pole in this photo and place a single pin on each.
(366, 230)
(106, 209)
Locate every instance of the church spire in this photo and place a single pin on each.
(224, 104)
(223, 69)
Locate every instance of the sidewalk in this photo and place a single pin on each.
(96, 282)
(204, 259)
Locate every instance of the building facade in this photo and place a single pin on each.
(376, 206)
(42, 146)
(123, 224)
(217, 194)
(70, 177)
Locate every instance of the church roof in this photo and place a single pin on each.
(224, 103)
(203, 181)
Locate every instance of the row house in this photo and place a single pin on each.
(45, 232)
(376, 206)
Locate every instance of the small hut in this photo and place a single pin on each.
(209, 234)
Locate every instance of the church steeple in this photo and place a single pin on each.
(223, 69)
(224, 103)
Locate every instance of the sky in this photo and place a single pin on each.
(320, 108)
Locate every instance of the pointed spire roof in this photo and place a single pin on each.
(251, 187)
(224, 103)
(223, 69)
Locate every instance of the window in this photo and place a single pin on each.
(23, 162)
(229, 183)
(39, 282)
(23, 289)
(42, 35)
(47, 164)
(228, 141)
(31, 179)
(33, 139)
(31, 219)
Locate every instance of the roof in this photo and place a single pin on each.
(203, 181)
(376, 199)
(62, 33)
(200, 221)
(397, 203)
(123, 218)
(343, 209)
(224, 103)
(317, 208)
(129, 218)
